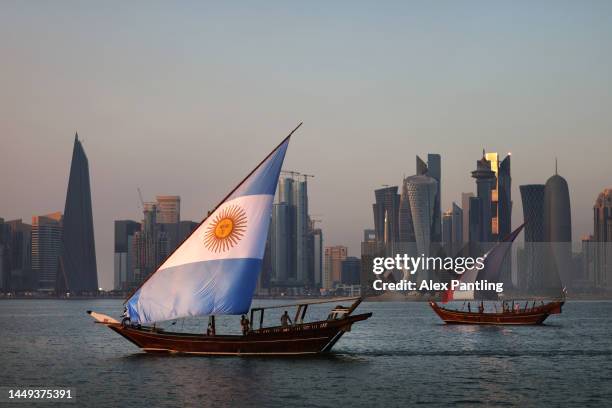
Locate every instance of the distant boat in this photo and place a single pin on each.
(524, 316)
(507, 315)
(214, 272)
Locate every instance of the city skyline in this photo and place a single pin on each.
(348, 242)
(183, 115)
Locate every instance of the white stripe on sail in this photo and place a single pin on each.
(246, 243)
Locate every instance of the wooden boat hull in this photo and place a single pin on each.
(307, 338)
(532, 316)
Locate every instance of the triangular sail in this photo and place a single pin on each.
(215, 270)
(493, 261)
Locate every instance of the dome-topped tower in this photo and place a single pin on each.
(558, 226)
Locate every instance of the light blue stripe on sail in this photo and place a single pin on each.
(265, 178)
(220, 286)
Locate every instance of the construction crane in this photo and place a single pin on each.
(314, 218)
(140, 197)
(293, 174)
(306, 176)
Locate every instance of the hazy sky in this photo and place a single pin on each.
(185, 98)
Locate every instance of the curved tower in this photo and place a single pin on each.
(422, 194)
(406, 228)
(558, 224)
(78, 256)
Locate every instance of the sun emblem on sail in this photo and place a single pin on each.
(226, 229)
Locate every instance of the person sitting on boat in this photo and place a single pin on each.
(244, 323)
(481, 307)
(285, 319)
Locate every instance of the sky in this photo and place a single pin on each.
(187, 97)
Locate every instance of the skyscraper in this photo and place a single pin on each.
(300, 198)
(501, 202)
(124, 260)
(433, 169)
(532, 276)
(485, 178)
(475, 221)
(421, 193)
(46, 250)
(168, 218)
(185, 229)
(332, 274)
(457, 222)
(602, 239)
(350, 270)
(318, 255)
(386, 207)
(532, 196)
(20, 266)
(370, 249)
(5, 272)
(447, 231)
(151, 243)
(558, 224)
(504, 199)
(465, 206)
(292, 259)
(78, 252)
(406, 227)
(168, 209)
(282, 243)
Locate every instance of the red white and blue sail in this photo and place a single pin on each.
(215, 270)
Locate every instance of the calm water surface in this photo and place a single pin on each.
(402, 356)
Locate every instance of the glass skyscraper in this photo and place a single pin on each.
(79, 270)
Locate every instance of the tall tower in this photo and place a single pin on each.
(485, 179)
(501, 201)
(558, 224)
(46, 250)
(78, 246)
(433, 169)
(602, 239)
(504, 198)
(406, 227)
(300, 198)
(457, 220)
(531, 276)
(465, 206)
(422, 194)
(169, 217)
(387, 201)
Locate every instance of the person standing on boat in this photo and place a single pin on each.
(244, 323)
(285, 319)
(481, 307)
(469, 308)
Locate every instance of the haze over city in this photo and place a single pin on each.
(172, 99)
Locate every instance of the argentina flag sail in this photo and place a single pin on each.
(215, 270)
